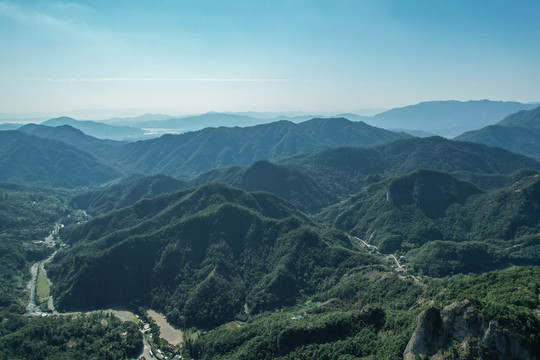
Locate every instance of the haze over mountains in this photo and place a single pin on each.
(444, 118)
(286, 239)
(518, 133)
(448, 118)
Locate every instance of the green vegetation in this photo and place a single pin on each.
(381, 329)
(30, 160)
(95, 336)
(196, 152)
(125, 193)
(42, 289)
(200, 255)
(25, 215)
(518, 133)
(446, 225)
(247, 274)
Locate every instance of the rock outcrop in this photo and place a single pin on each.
(459, 331)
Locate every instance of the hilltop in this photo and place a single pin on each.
(443, 224)
(518, 133)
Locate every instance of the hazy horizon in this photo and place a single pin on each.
(184, 57)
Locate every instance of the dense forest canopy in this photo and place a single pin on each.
(324, 239)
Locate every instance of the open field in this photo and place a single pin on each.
(42, 288)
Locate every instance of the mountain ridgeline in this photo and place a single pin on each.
(200, 151)
(90, 161)
(323, 239)
(32, 160)
(447, 118)
(518, 133)
(312, 182)
(96, 129)
(443, 224)
(201, 256)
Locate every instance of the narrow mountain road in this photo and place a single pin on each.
(375, 250)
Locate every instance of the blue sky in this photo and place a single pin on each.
(190, 56)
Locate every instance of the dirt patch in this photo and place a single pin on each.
(124, 315)
(172, 335)
(232, 325)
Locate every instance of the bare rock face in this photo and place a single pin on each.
(459, 331)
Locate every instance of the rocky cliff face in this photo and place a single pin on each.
(459, 331)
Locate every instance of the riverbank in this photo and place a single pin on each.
(169, 333)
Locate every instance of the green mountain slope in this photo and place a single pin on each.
(287, 181)
(25, 215)
(196, 152)
(200, 255)
(125, 193)
(525, 119)
(26, 159)
(487, 316)
(445, 225)
(102, 149)
(447, 155)
(314, 181)
(518, 133)
(93, 336)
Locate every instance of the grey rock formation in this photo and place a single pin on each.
(459, 331)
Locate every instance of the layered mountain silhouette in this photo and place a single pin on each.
(447, 118)
(445, 225)
(518, 133)
(30, 160)
(96, 129)
(313, 181)
(196, 152)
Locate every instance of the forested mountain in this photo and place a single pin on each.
(100, 148)
(84, 337)
(446, 225)
(125, 193)
(9, 126)
(25, 215)
(518, 133)
(201, 256)
(26, 159)
(255, 275)
(96, 129)
(196, 152)
(489, 316)
(447, 118)
(525, 119)
(313, 181)
(442, 154)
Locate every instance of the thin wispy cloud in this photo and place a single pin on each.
(60, 18)
(162, 79)
(20, 14)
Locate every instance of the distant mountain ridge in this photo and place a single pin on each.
(29, 160)
(314, 181)
(195, 152)
(100, 148)
(519, 132)
(96, 129)
(448, 118)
